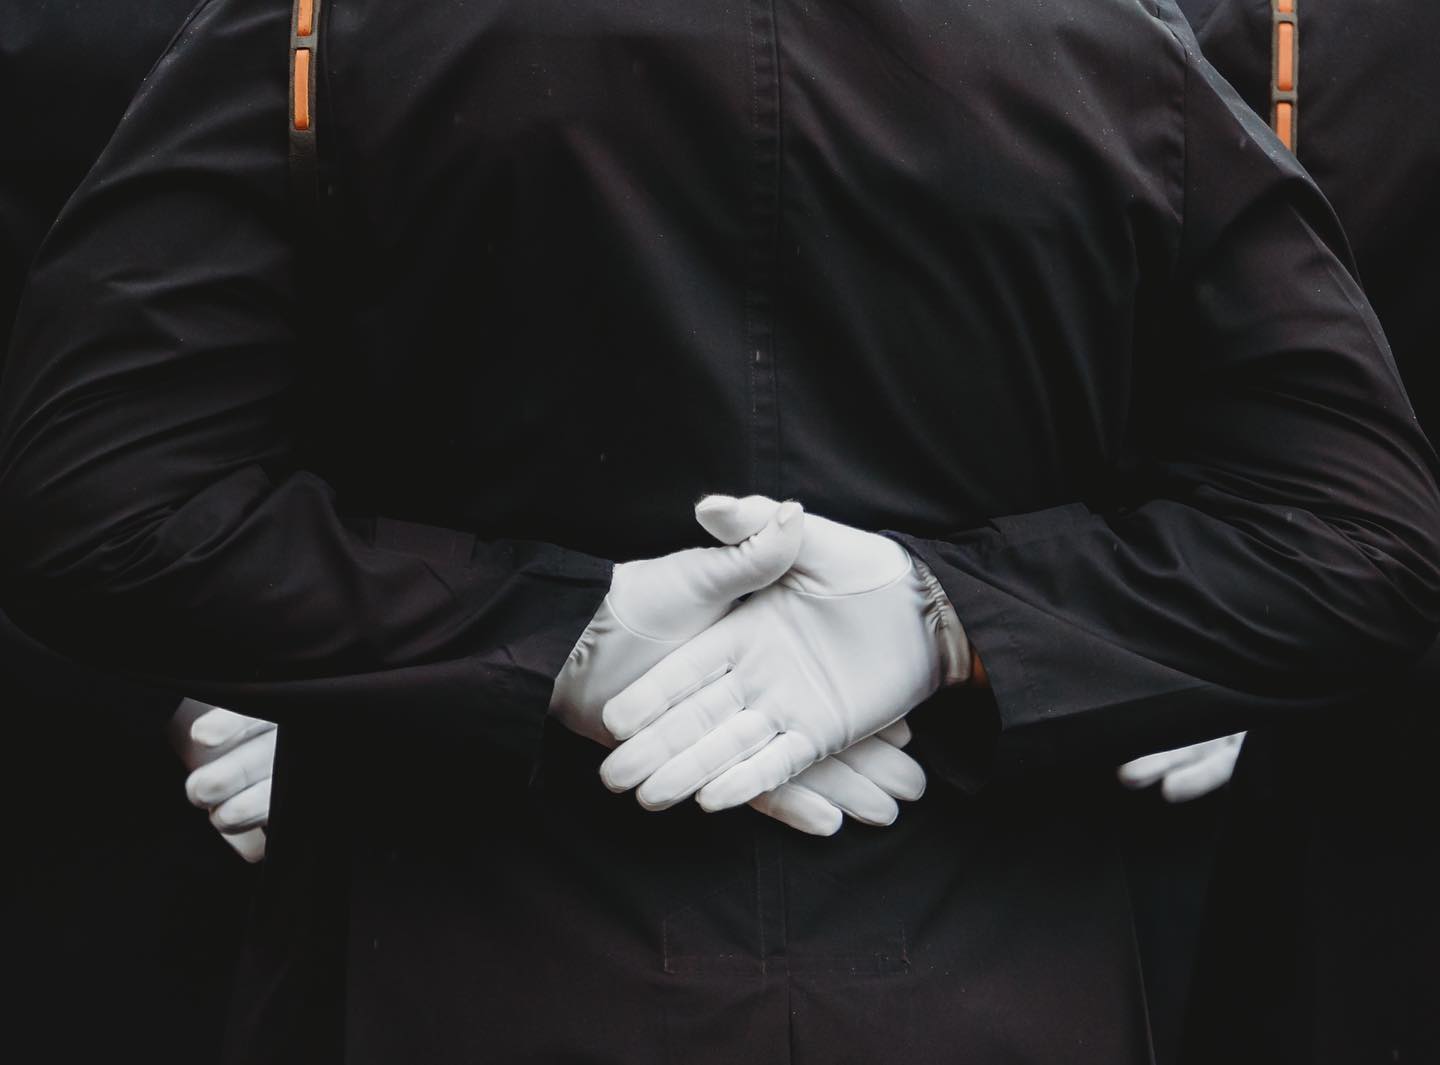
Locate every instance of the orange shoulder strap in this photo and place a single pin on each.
(1284, 70)
(304, 48)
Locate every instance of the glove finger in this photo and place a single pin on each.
(889, 768)
(250, 809)
(770, 766)
(858, 796)
(733, 742)
(220, 729)
(696, 663)
(233, 772)
(1201, 778)
(722, 574)
(1142, 772)
(186, 713)
(677, 730)
(897, 735)
(249, 845)
(800, 808)
(732, 520)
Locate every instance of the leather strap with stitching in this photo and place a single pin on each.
(304, 50)
(1284, 70)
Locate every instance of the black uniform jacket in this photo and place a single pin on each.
(123, 909)
(1024, 283)
(1324, 930)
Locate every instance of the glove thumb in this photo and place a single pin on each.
(731, 520)
(757, 559)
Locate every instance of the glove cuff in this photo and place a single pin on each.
(945, 628)
(608, 655)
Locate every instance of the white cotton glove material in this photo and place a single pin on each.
(863, 781)
(655, 605)
(1187, 772)
(231, 758)
(846, 643)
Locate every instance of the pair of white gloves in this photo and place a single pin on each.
(769, 701)
(774, 671)
(231, 758)
(792, 701)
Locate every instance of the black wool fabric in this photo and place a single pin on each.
(1319, 943)
(123, 910)
(1025, 285)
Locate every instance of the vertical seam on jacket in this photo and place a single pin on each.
(773, 927)
(1182, 249)
(328, 163)
(783, 898)
(1136, 956)
(325, 94)
(761, 241)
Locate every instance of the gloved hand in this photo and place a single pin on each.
(846, 643)
(655, 605)
(1186, 772)
(231, 758)
(863, 781)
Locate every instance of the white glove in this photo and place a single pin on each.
(846, 643)
(1187, 772)
(231, 758)
(863, 781)
(655, 605)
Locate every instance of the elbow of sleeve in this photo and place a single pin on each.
(1404, 572)
(76, 546)
(34, 549)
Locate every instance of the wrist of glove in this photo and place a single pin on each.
(231, 758)
(850, 639)
(951, 642)
(608, 653)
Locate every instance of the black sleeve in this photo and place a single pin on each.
(37, 677)
(1279, 548)
(152, 515)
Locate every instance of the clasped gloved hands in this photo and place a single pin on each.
(231, 758)
(656, 605)
(850, 639)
